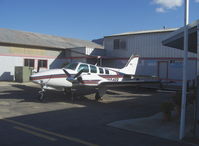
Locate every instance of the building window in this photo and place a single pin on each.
(119, 44)
(122, 44)
(42, 63)
(116, 44)
(29, 62)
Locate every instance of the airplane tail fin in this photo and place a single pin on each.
(131, 66)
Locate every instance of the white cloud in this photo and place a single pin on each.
(160, 10)
(197, 1)
(167, 4)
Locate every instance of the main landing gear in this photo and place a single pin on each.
(97, 96)
(70, 92)
(100, 92)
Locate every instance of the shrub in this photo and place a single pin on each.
(167, 107)
(177, 98)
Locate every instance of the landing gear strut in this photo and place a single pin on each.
(72, 91)
(42, 97)
(100, 92)
(69, 92)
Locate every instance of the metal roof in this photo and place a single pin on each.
(176, 38)
(143, 32)
(14, 37)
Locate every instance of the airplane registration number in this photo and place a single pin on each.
(113, 79)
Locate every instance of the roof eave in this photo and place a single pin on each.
(142, 32)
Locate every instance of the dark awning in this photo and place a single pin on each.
(176, 38)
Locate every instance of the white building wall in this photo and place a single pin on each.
(94, 52)
(7, 66)
(8, 63)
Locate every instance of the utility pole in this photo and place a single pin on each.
(184, 85)
(196, 130)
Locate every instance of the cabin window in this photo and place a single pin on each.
(106, 71)
(101, 70)
(29, 62)
(42, 63)
(83, 67)
(93, 69)
(71, 66)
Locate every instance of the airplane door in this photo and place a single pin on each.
(163, 69)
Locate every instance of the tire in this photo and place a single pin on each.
(97, 96)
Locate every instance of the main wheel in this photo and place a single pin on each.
(97, 96)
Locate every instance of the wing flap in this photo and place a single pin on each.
(129, 83)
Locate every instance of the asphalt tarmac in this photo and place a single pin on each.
(25, 121)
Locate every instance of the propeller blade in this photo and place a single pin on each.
(79, 73)
(77, 76)
(67, 74)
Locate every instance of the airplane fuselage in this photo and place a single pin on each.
(56, 79)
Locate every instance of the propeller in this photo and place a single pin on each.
(68, 75)
(77, 76)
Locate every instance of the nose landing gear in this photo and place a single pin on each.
(42, 97)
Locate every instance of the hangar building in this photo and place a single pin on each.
(155, 59)
(41, 51)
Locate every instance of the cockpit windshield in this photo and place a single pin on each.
(71, 66)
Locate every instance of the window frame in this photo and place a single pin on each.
(91, 68)
(76, 66)
(107, 72)
(83, 68)
(119, 44)
(116, 44)
(42, 60)
(123, 44)
(102, 70)
(28, 62)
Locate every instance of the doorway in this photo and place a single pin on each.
(163, 69)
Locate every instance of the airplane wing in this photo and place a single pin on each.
(129, 83)
(103, 85)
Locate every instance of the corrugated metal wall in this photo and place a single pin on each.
(151, 51)
(144, 45)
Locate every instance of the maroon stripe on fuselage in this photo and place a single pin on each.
(111, 76)
(91, 81)
(49, 76)
(65, 76)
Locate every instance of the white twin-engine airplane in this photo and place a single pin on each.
(83, 75)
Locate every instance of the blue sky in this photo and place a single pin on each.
(91, 19)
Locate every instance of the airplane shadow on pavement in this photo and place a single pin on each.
(85, 125)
